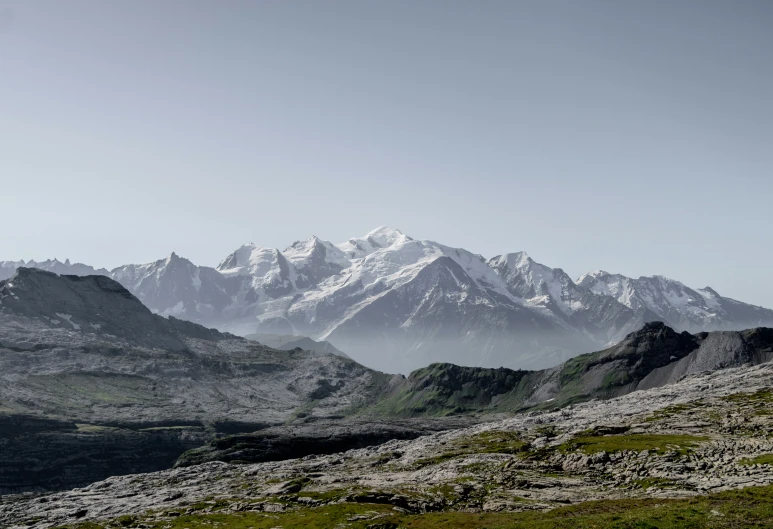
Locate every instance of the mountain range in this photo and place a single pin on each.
(395, 303)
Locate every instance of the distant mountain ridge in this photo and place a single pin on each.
(650, 357)
(396, 303)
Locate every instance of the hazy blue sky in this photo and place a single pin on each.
(633, 136)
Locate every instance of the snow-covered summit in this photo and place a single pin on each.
(675, 303)
(381, 237)
(314, 251)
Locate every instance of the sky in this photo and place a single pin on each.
(634, 137)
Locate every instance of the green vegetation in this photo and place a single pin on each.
(446, 389)
(658, 483)
(761, 396)
(673, 410)
(83, 428)
(92, 388)
(765, 459)
(751, 508)
(491, 442)
(639, 442)
(616, 378)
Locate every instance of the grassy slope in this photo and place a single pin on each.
(751, 507)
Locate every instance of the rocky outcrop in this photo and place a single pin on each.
(316, 437)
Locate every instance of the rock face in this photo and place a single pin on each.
(318, 437)
(94, 304)
(676, 304)
(396, 303)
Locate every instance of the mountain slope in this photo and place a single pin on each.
(602, 317)
(682, 307)
(653, 356)
(89, 374)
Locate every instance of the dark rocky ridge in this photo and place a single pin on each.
(653, 356)
(318, 437)
(95, 304)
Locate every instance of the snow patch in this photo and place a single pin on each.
(68, 319)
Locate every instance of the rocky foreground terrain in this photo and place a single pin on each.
(696, 439)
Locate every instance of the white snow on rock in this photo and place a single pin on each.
(415, 295)
(68, 319)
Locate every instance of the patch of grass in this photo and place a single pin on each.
(763, 395)
(615, 378)
(436, 460)
(383, 459)
(671, 411)
(323, 496)
(493, 442)
(659, 483)
(751, 507)
(548, 431)
(490, 442)
(92, 428)
(164, 428)
(765, 459)
(639, 442)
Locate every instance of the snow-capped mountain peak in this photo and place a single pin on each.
(315, 260)
(315, 250)
(381, 237)
(590, 276)
(529, 279)
(251, 260)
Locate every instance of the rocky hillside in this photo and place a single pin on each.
(696, 453)
(653, 356)
(395, 303)
(90, 375)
